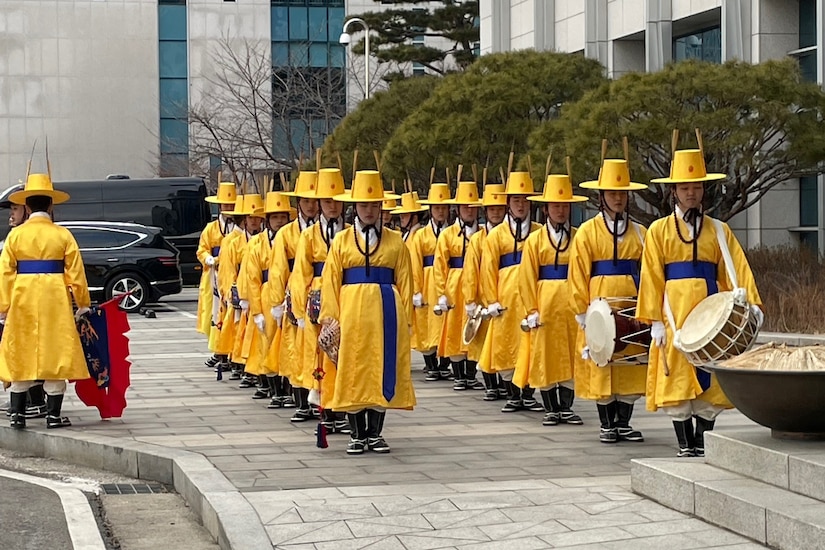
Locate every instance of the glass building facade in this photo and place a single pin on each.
(705, 45)
(174, 88)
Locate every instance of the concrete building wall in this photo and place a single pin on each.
(85, 74)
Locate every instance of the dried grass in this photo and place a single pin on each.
(791, 283)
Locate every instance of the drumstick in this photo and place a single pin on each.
(626, 148)
(548, 164)
(664, 361)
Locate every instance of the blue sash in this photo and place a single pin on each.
(265, 275)
(384, 278)
(215, 251)
(551, 273)
(507, 260)
(39, 267)
(456, 262)
(602, 268)
(317, 268)
(428, 260)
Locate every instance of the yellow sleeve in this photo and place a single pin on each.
(204, 246)
(241, 279)
(254, 277)
(8, 274)
(579, 272)
(417, 263)
(75, 274)
(741, 267)
(226, 268)
(469, 275)
(528, 276)
(278, 270)
(404, 283)
(302, 275)
(652, 286)
(441, 265)
(331, 278)
(489, 271)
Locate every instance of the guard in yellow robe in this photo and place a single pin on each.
(368, 289)
(230, 283)
(41, 273)
(604, 263)
(494, 202)
(682, 265)
(427, 323)
(388, 219)
(545, 295)
(505, 344)
(280, 270)
(305, 286)
(448, 270)
(261, 336)
(209, 246)
(409, 216)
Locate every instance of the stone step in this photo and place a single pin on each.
(765, 513)
(795, 465)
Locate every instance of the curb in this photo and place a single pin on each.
(216, 502)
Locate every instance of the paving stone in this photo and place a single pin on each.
(392, 525)
(589, 536)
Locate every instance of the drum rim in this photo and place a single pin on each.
(710, 334)
(599, 357)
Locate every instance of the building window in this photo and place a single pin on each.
(705, 45)
(808, 211)
(807, 23)
(173, 89)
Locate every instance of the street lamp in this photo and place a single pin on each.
(345, 39)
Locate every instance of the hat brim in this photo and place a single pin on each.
(464, 203)
(543, 199)
(307, 195)
(58, 197)
(263, 212)
(398, 211)
(632, 186)
(347, 197)
(708, 177)
(522, 193)
(445, 202)
(214, 200)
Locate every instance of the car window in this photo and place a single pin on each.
(88, 238)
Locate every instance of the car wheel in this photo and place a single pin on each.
(132, 284)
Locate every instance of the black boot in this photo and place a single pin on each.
(375, 425)
(17, 410)
(491, 386)
(288, 392)
(432, 367)
(503, 387)
(702, 426)
(607, 430)
(276, 400)
(53, 419)
(36, 402)
(566, 415)
(327, 420)
(248, 380)
(685, 437)
(263, 388)
(302, 412)
(444, 370)
(236, 369)
(551, 405)
(358, 438)
(470, 372)
(513, 403)
(213, 361)
(528, 400)
(626, 432)
(341, 423)
(458, 375)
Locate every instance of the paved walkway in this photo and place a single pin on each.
(461, 473)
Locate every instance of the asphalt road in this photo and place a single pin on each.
(31, 517)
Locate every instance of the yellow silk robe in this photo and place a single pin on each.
(447, 275)
(366, 333)
(40, 340)
(552, 345)
(662, 247)
(417, 336)
(208, 245)
(255, 269)
(471, 290)
(593, 243)
(422, 255)
(505, 343)
(234, 320)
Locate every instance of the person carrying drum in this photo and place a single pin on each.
(683, 264)
(424, 298)
(280, 271)
(604, 263)
(447, 274)
(494, 202)
(545, 295)
(305, 286)
(505, 343)
(367, 289)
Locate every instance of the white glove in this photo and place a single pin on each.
(259, 321)
(470, 308)
(494, 309)
(80, 313)
(418, 300)
(2, 318)
(740, 295)
(442, 303)
(677, 340)
(533, 320)
(657, 333)
(580, 317)
(210, 261)
(756, 311)
(277, 313)
(245, 305)
(301, 323)
(586, 353)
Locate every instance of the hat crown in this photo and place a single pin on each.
(330, 183)
(227, 193)
(252, 202)
(558, 187)
(410, 202)
(306, 183)
(276, 202)
(39, 182)
(439, 193)
(494, 195)
(688, 164)
(367, 186)
(466, 193)
(615, 174)
(389, 204)
(239, 202)
(519, 183)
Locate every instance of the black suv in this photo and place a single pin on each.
(127, 258)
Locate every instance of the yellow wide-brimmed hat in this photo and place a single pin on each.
(466, 193)
(226, 194)
(519, 183)
(366, 187)
(39, 185)
(439, 194)
(614, 175)
(276, 203)
(558, 188)
(410, 204)
(246, 205)
(304, 185)
(330, 184)
(688, 166)
(494, 195)
(389, 205)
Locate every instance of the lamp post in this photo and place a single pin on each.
(345, 39)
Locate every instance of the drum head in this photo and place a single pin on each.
(600, 331)
(705, 321)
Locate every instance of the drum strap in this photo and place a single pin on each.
(723, 247)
